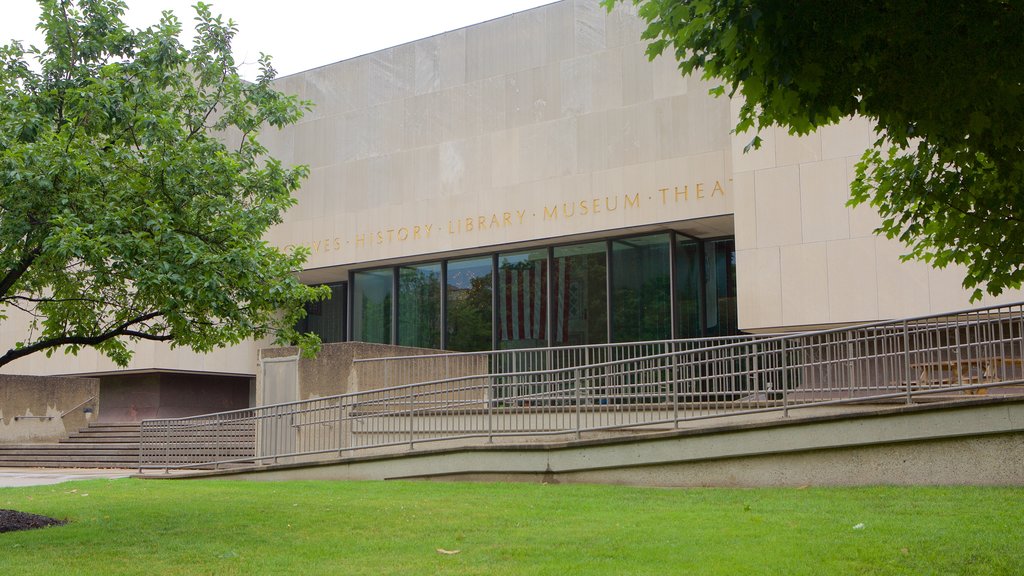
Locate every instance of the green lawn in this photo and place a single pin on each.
(219, 527)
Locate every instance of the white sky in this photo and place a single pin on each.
(299, 34)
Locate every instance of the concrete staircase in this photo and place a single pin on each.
(100, 445)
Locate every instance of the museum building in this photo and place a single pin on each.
(536, 181)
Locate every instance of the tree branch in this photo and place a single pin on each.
(54, 300)
(124, 329)
(18, 271)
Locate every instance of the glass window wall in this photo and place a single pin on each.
(419, 306)
(579, 301)
(522, 299)
(326, 318)
(720, 267)
(372, 292)
(469, 304)
(688, 261)
(532, 310)
(640, 289)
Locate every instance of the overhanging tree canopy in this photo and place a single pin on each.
(944, 82)
(134, 194)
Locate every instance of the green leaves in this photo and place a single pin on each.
(123, 214)
(943, 82)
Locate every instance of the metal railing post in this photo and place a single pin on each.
(956, 350)
(577, 387)
(411, 426)
(167, 447)
(515, 370)
(675, 389)
(142, 426)
(906, 361)
(278, 433)
(341, 425)
(758, 379)
(850, 375)
(218, 435)
(490, 409)
(784, 380)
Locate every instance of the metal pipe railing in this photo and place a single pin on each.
(396, 370)
(672, 382)
(61, 415)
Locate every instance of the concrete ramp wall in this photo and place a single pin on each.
(976, 442)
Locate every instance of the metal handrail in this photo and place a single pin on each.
(79, 405)
(62, 414)
(901, 359)
(561, 348)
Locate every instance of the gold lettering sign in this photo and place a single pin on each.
(482, 223)
(591, 206)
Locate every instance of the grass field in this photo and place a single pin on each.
(211, 527)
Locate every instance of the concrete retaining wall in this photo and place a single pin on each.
(977, 442)
(333, 371)
(23, 399)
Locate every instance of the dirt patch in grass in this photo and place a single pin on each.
(12, 520)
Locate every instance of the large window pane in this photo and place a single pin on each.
(522, 299)
(640, 289)
(419, 306)
(720, 265)
(469, 304)
(371, 302)
(326, 318)
(688, 256)
(579, 304)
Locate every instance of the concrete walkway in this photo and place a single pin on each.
(16, 477)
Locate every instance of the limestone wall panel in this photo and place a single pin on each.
(852, 280)
(804, 269)
(759, 271)
(777, 206)
(824, 189)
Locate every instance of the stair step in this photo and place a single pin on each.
(63, 464)
(72, 461)
(102, 436)
(88, 440)
(10, 452)
(74, 446)
(196, 438)
(248, 428)
(117, 445)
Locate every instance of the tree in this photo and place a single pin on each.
(134, 193)
(943, 81)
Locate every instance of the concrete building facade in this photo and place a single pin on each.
(535, 180)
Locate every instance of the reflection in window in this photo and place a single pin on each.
(469, 304)
(573, 309)
(371, 303)
(522, 299)
(720, 267)
(640, 289)
(326, 318)
(419, 306)
(579, 304)
(688, 255)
